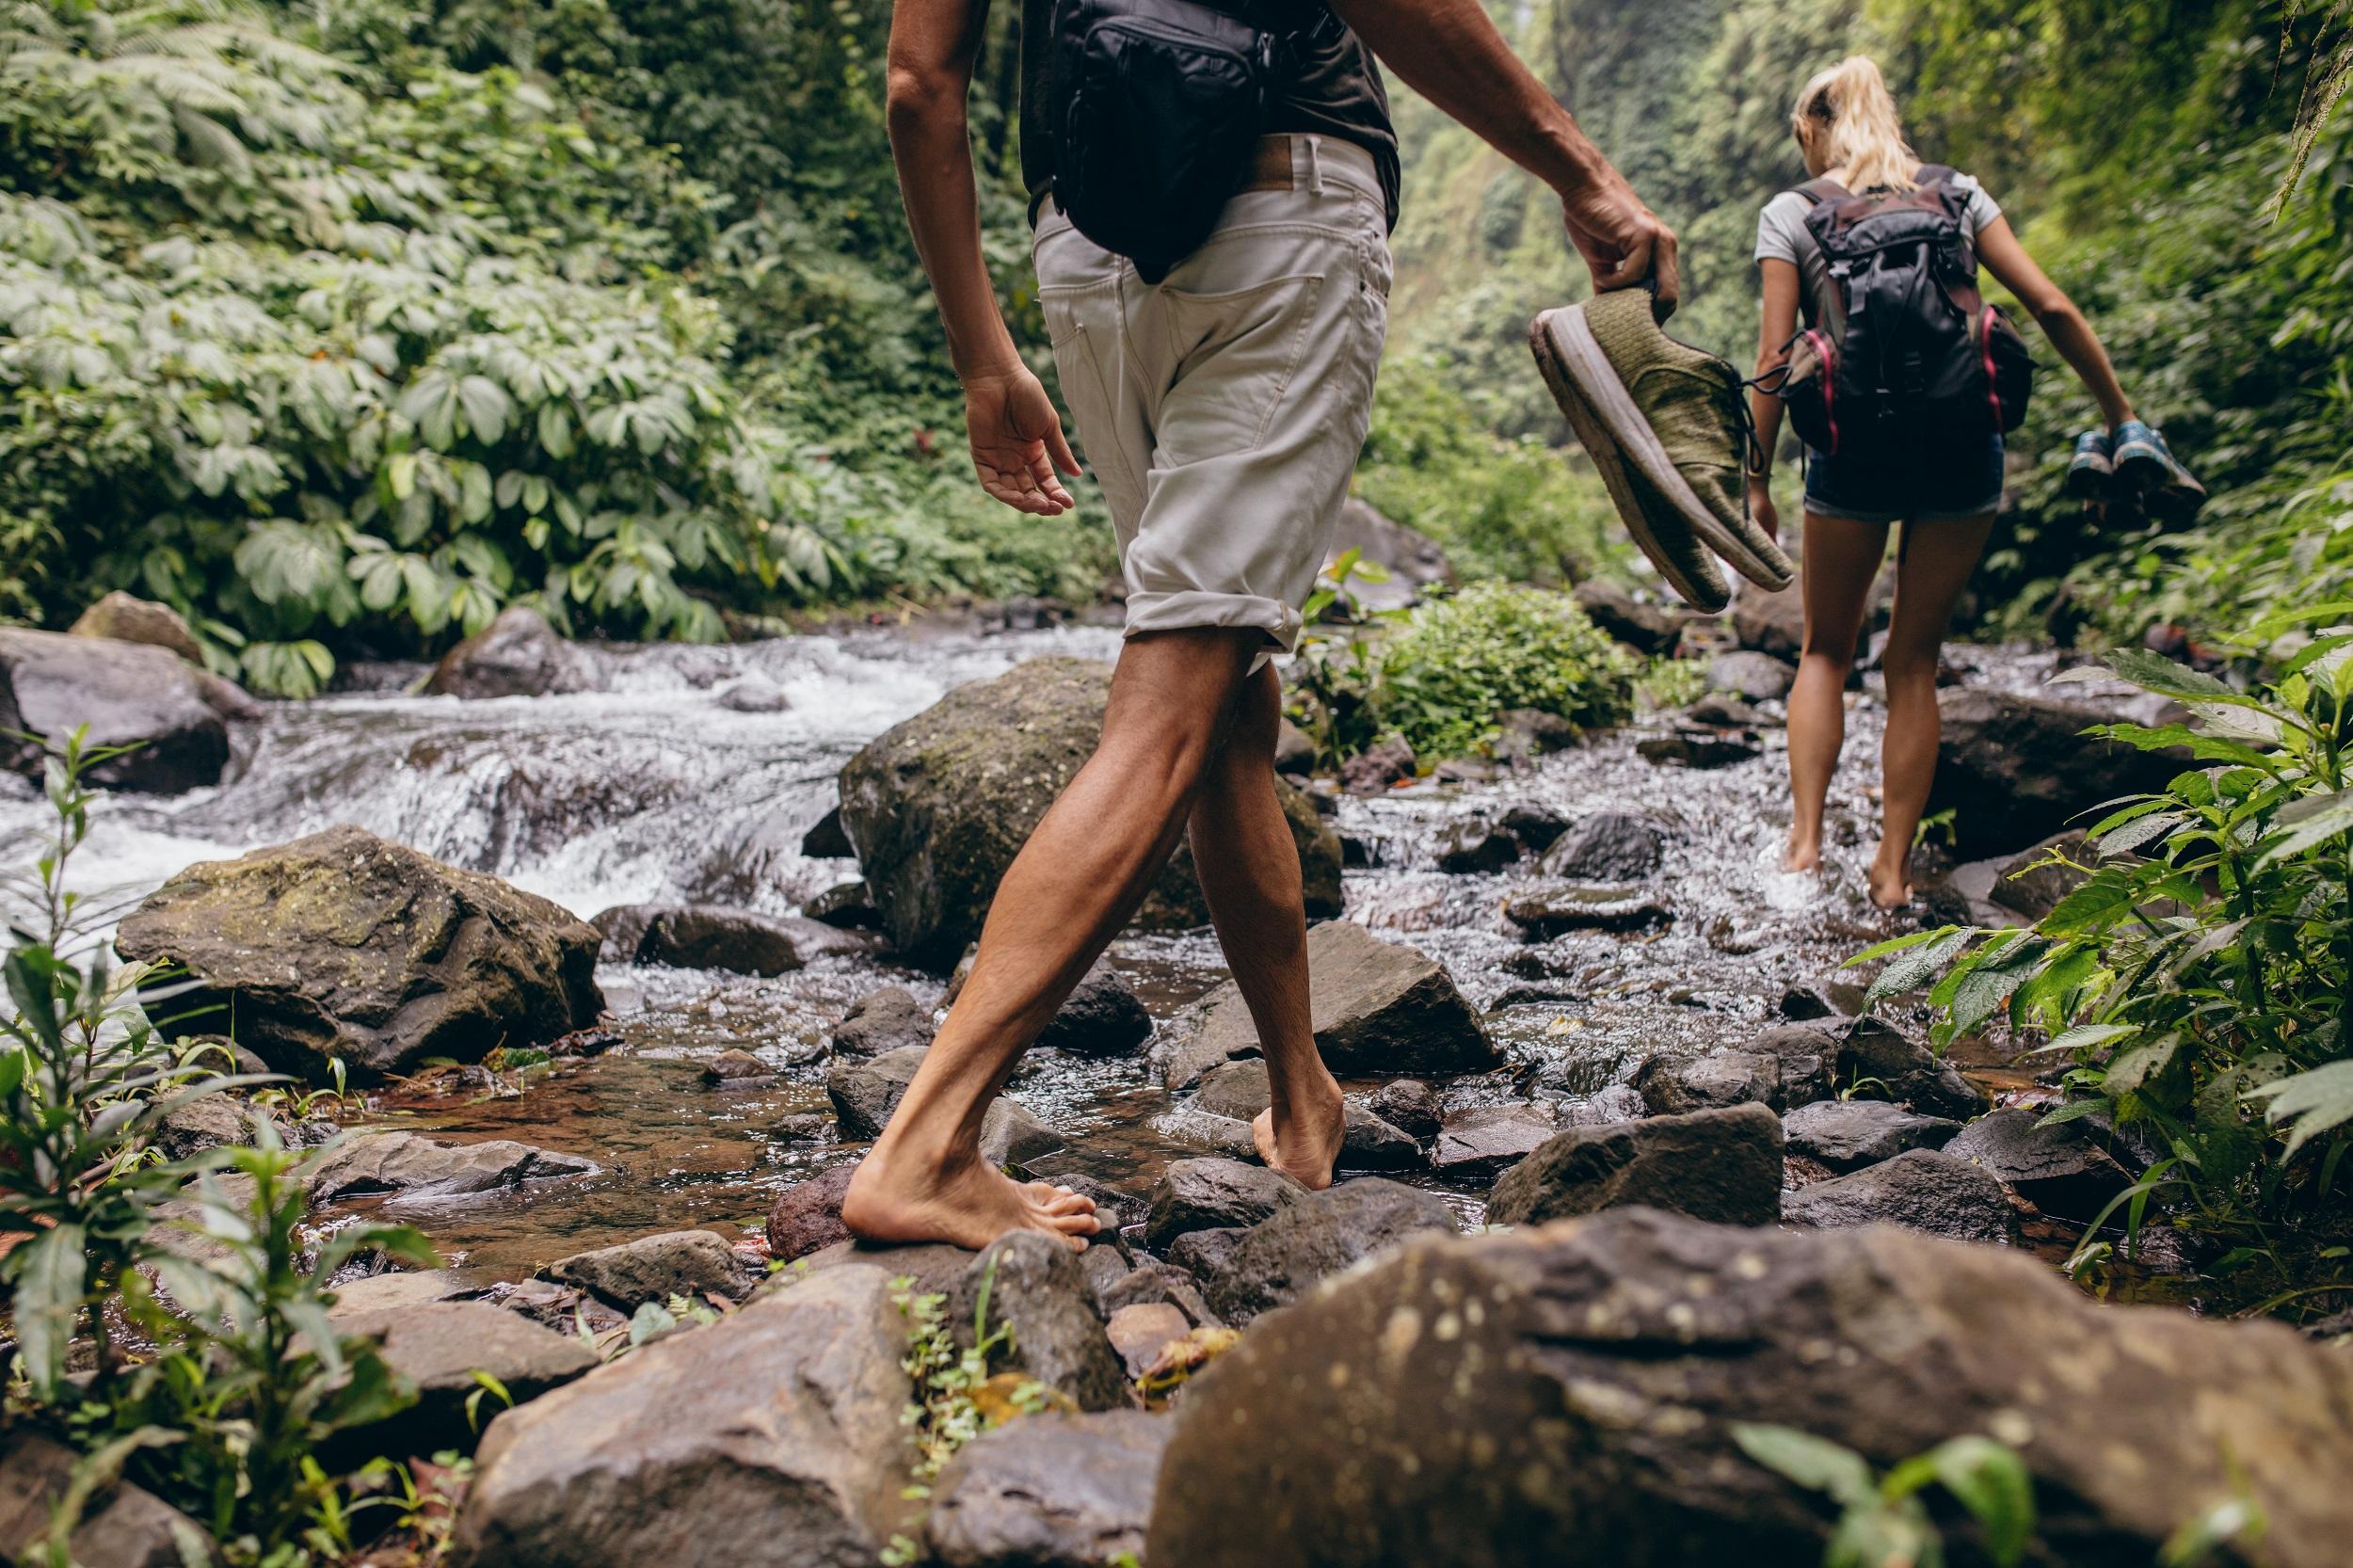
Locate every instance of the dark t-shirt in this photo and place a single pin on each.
(1337, 92)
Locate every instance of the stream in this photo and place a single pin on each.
(655, 790)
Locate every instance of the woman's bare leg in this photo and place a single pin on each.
(1931, 568)
(1841, 560)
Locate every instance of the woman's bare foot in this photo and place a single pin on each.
(1891, 889)
(962, 1200)
(1305, 1143)
(1798, 857)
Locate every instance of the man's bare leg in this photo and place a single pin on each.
(1067, 893)
(1249, 870)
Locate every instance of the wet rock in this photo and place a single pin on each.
(1548, 910)
(782, 1421)
(1722, 1166)
(1922, 1189)
(1535, 828)
(123, 1525)
(1523, 734)
(1237, 1091)
(2015, 769)
(1203, 1254)
(2058, 1169)
(1102, 1016)
(807, 1215)
(1672, 1085)
(1383, 765)
(120, 618)
(1206, 1129)
(938, 807)
(755, 693)
(883, 1021)
(1141, 1331)
(1478, 1145)
(1819, 998)
(1697, 748)
(1281, 1258)
(129, 693)
(1751, 676)
(736, 1067)
(2027, 887)
(848, 905)
(1475, 846)
(1156, 1284)
(401, 1287)
(414, 1167)
(439, 1346)
(1771, 623)
(1608, 846)
(1586, 1414)
(805, 1127)
(1037, 1288)
(1205, 1194)
(930, 1268)
(1049, 1490)
(1413, 560)
(518, 654)
(1409, 1105)
(1845, 1135)
(689, 1263)
(1378, 1007)
(204, 1124)
(1357, 854)
(1721, 711)
(827, 840)
(1883, 1060)
(1294, 752)
(1645, 628)
(699, 937)
(864, 1094)
(341, 944)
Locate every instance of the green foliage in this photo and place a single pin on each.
(1503, 509)
(1883, 1522)
(1440, 675)
(945, 1414)
(2200, 980)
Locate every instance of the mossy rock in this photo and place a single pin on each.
(938, 806)
(344, 945)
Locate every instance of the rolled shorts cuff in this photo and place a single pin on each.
(1858, 514)
(1199, 607)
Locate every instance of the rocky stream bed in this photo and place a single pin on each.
(1574, 983)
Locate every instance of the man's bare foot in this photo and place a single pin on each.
(1797, 857)
(963, 1201)
(1891, 891)
(1305, 1143)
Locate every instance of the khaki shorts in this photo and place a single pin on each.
(1221, 410)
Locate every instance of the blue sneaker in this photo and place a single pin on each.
(2146, 466)
(2093, 466)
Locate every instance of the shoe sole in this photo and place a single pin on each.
(1571, 356)
(2089, 481)
(1696, 579)
(2143, 470)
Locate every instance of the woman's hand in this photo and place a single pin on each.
(1761, 505)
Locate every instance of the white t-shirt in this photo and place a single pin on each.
(1782, 236)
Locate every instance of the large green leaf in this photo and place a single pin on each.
(51, 1274)
(2319, 1100)
(1814, 1463)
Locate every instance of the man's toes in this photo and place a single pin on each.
(1070, 1202)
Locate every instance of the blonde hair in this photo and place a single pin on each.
(1851, 109)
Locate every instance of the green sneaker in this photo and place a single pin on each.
(1645, 405)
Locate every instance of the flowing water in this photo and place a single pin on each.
(655, 790)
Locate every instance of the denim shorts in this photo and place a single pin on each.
(1923, 485)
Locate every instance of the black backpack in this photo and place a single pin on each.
(1909, 352)
(1156, 105)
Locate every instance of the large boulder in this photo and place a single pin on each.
(1036, 1288)
(1049, 1490)
(938, 806)
(439, 1346)
(1923, 1189)
(122, 617)
(1203, 1194)
(1876, 1056)
(123, 1525)
(709, 936)
(1377, 1007)
(2059, 1168)
(1282, 1257)
(174, 715)
(1645, 628)
(518, 654)
(2014, 769)
(689, 1263)
(1413, 560)
(1608, 846)
(1848, 1134)
(343, 946)
(1101, 1016)
(769, 1439)
(1723, 1166)
(1568, 1398)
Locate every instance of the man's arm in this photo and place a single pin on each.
(1449, 51)
(1017, 436)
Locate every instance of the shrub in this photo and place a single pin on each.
(2200, 980)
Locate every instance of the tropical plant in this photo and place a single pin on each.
(2199, 980)
(1883, 1521)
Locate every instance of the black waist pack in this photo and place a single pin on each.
(1157, 105)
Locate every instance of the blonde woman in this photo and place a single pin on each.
(1940, 476)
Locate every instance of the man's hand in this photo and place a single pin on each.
(1622, 241)
(1017, 441)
